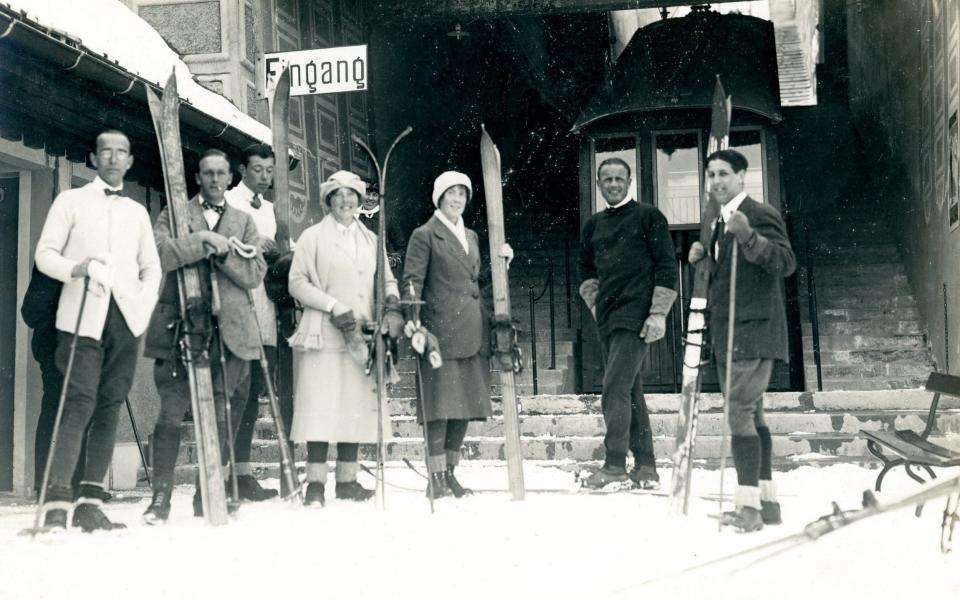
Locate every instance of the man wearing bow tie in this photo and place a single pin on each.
(764, 259)
(96, 233)
(256, 172)
(214, 225)
(627, 263)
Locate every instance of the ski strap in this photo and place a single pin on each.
(504, 342)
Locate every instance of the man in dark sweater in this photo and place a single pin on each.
(629, 275)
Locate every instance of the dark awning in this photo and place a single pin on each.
(673, 64)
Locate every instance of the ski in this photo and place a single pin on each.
(279, 127)
(838, 519)
(686, 435)
(380, 291)
(194, 312)
(506, 334)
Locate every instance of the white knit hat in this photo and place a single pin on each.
(343, 179)
(447, 180)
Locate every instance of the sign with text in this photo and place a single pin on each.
(320, 71)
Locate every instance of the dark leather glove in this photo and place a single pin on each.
(345, 322)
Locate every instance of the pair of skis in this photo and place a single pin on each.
(686, 434)
(195, 313)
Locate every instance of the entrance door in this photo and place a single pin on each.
(9, 202)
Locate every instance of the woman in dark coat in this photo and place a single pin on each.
(442, 267)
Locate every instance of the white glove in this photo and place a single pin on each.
(507, 252)
(100, 273)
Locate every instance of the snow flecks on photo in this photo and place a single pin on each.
(555, 544)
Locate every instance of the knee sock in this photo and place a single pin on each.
(456, 432)
(436, 440)
(766, 453)
(746, 459)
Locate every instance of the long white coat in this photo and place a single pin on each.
(334, 400)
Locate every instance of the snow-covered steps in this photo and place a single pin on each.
(807, 427)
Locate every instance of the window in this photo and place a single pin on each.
(749, 142)
(625, 149)
(679, 176)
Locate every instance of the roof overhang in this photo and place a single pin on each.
(673, 64)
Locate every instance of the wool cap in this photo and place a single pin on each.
(447, 180)
(343, 179)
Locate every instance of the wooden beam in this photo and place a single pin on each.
(386, 11)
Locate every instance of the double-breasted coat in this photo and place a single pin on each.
(334, 399)
(447, 279)
(760, 330)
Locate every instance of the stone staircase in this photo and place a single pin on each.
(870, 332)
(808, 428)
(797, 84)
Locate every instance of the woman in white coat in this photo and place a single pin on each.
(332, 274)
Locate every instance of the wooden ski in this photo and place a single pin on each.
(194, 311)
(492, 184)
(686, 435)
(279, 102)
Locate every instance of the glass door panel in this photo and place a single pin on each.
(679, 176)
(749, 142)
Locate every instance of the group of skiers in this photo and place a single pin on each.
(110, 277)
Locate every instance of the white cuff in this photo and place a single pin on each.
(331, 304)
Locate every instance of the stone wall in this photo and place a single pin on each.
(904, 67)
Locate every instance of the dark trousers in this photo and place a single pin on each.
(101, 379)
(624, 407)
(43, 345)
(173, 386)
(748, 381)
(258, 389)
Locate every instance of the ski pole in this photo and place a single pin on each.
(56, 422)
(422, 405)
(136, 436)
(731, 313)
(215, 308)
(286, 459)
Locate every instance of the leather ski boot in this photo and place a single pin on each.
(454, 486)
(770, 513)
(351, 490)
(87, 514)
(644, 477)
(439, 482)
(159, 510)
(608, 479)
(745, 519)
(314, 495)
(250, 489)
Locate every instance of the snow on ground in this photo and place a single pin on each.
(555, 544)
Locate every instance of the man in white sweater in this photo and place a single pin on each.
(96, 233)
(256, 171)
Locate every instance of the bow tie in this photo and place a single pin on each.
(109, 192)
(256, 202)
(214, 207)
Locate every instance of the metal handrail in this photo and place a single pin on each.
(812, 305)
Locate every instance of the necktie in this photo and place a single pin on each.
(109, 192)
(217, 208)
(256, 202)
(718, 230)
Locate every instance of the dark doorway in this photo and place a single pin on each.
(9, 203)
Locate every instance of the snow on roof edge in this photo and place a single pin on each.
(109, 29)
